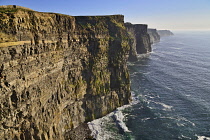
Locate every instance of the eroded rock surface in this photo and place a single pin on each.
(140, 40)
(59, 71)
(154, 36)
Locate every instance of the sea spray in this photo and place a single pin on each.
(112, 126)
(203, 138)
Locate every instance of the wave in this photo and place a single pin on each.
(139, 56)
(96, 129)
(175, 48)
(146, 73)
(119, 117)
(142, 65)
(166, 87)
(186, 120)
(130, 63)
(135, 73)
(203, 138)
(153, 51)
(99, 127)
(184, 137)
(145, 119)
(165, 106)
(180, 121)
(115, 118)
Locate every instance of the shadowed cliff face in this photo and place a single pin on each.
(163, 33)
(140, 40)
(154, 36)
(58, 71)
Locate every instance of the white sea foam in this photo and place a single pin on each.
(150, 97)
(143, 55)
(140, 65)
(165, 106)
(146, 73)
(135, 99)
(180, 120)
(130, 63)
(119, 117)
(203, 138)
(145, 119)
(152, 52)
(186, 120)
(168, 88)
(184, 137)
(98, 128)
(188, 95)
(176, 48)
(135, 73)
(116, 118)
(172, 118)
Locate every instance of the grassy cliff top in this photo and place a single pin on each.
(19, 24)
(12, 8)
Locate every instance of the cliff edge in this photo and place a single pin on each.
(164, 33)
(140, 40)
(58, 72)
(154, 36)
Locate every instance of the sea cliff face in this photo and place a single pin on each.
(154, 36)
(59, 71)
(163, 33)
(140, 40)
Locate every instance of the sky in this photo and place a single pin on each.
(159, 14)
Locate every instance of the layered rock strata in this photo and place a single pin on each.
(164, 33)
(140, 40)
(59, 71)
(154, 36)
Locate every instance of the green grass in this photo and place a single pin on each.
(8, 10)
(12, 10)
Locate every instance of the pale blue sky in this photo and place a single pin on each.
(160, 14)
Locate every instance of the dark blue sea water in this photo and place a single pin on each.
(171, 91)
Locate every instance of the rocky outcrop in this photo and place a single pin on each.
(154, 36)
(140, 40)
(164, 33)
(59, 71)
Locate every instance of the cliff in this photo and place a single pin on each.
(58, 72)
(140, 40)
(154, 36)
(164, 33)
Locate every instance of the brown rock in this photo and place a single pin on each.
(58, 72)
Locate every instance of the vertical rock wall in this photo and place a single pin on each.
(140, 40)
(154, 36)
(59, 71)
(163, 33)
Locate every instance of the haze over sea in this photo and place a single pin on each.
(171, 93)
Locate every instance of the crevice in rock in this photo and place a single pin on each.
(14, 98)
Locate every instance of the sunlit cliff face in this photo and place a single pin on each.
(59, 71)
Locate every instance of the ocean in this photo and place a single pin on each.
(171, 93)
